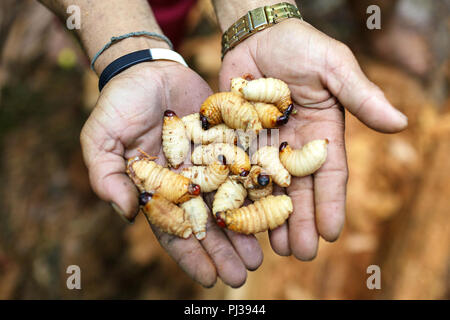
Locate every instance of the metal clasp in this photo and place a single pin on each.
(258, 18)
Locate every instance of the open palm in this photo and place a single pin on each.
(128, 116)
(323, 76)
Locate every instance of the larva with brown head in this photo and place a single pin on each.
(197, 214)
(265, 214)
(306, 160)
(175, 143)
(236, 158)
(256, 178)
(165, 215)
(217, 134)
(259, 193)
(268, 90)
(231, 109)
(267, 157)
(147, 175)
(269, 115)
(210, 177)
(231, 194)
(258, 183)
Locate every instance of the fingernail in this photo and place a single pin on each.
(121, 213)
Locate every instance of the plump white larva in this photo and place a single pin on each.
(264, 214)
(175, 143)
(269, 90)
(236, 158)
(149, 176)
(209, 178)
(217, 134)
(304, 161)
(230, 195)
(165, 215)
(232, 109)
(197, 214)
(267, 157)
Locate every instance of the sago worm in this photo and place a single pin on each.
(268, 90)
(197, 214)
(230, 108)
(267, 157)
(256, 178)
(264, 214)
(257, 183)
(216, 134)
(165, 215)
(150, 176)
(236, 158)
(258, 193)
(269, 115)
(175, 143)
(231, 194)
(210, 177)
(304, 161)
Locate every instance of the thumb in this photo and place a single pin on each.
(109, 181)
(346, 81)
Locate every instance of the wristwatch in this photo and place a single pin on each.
(256, 20)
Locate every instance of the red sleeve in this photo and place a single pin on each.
(171, 16)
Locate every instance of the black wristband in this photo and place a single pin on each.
(122, 63)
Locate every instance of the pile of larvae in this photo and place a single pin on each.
(173, 201)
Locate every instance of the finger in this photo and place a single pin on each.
(279, 240)
(230, 267)
(279, 237)
(303, 235)
(330, 183)
(248, 249)
(108, 179)
(190, 256)
(345, 80)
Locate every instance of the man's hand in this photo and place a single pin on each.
(128, 116)
(323, 76)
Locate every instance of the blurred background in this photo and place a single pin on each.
(398, 192)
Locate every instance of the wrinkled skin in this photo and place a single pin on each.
(324, 77)
(128, 116)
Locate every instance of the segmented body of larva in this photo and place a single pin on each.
(217, 134)
(267, 157)
(237, 159)
(209, 178)
(231, 109)
(197, 213)
(175, 143)
(165, 215)
(150, 176)
(304, 161)
(231, 194)
(269, 115)
(269, 90)
(264, 214)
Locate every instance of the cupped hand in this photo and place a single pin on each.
(323, 75)
(128, 116)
